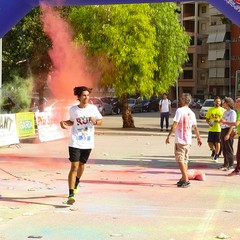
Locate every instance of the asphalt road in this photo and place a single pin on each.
(147, 122)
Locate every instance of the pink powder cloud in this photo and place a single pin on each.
(70, 68)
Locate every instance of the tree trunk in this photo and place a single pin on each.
(128, 121)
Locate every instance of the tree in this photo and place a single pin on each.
(140, 48)
(123, 38)
(25, 53)
(172, 45)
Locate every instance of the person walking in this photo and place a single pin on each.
(213, 117)
(226, 130)
(236, 171)
(82, 119)
(183, 122)
(165, 111)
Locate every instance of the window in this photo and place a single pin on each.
(203, 26)
(204, 9)
(203, 59)
(220, 37)
(192, 40)
(211, 37)
(187, 74)
(202, 76)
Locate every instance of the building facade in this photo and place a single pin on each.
(214, 52)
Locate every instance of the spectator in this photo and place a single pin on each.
(184, 121)
(165, 111)
(236, 171)
(213, 117)
(226, 130)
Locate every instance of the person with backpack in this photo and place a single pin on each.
(165, 111)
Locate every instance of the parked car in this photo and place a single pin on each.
(60, 108)
(103, 106)
(154, 104)
(116, 104)
(193, 103)
(132, 102)
(199, 103)
(141, 106)
(175, 103)
(208, 103)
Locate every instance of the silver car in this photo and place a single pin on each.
(208, 103)
(103, 107)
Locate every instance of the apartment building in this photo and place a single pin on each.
(214, 51)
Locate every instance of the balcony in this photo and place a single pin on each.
(219, 28)
(218, 81)
(218, 64)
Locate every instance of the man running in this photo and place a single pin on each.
(82, 119)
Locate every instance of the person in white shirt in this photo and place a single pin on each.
(165, 111)
(82, 119)
(229, 115)
(183, 122)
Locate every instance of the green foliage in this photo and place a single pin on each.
(123, 38)
(25, 49)
(140, 48)
(172, 45)
(20, 91)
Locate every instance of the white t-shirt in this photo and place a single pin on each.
(185, 118)
(82, 131)
(229, 116)
(165, 103)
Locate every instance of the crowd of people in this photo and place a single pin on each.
(222, 119)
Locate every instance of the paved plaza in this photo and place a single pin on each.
(128, 190)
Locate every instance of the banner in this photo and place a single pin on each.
(229, 8)
(12, 11)
(48, 129)
(25, 124)
(8, 130)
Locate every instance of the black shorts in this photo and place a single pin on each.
(79, 155)
(214, 137)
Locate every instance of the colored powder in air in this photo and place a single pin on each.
(70, 65)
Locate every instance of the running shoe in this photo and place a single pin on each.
(222, 167)
(230, 168)
(234, 173)
(215, 159)
(184, 184)
(71, 200)
(180, 182)
(213, 154)
(76, 189)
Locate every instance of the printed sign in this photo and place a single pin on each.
(48, 129)
(25, 124)
(8, 130)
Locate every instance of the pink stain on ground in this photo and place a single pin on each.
(70, 64)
